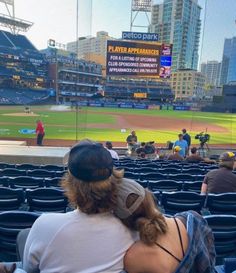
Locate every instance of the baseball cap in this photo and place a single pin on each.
(90, 162)
(124, 189)
(177, 148)
(227, 156)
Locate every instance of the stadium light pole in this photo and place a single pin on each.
(77, 48)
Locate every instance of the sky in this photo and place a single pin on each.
(56, 19)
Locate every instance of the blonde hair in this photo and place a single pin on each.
(147, 219)
(92, 197)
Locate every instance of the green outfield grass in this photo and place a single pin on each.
(61, 125)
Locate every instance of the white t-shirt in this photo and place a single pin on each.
(76, 242)
(114, 154)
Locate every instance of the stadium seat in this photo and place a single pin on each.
(41, 173)
(182, 177)
(46, 200)
(174, 202)
(53, 182)
(13, 172)
(4, 181)
(194, 171)
(153, 176)
(11, 223)
(52, 167)
(224, 203)
(192, 186)
(11, 199)
(145, 169)
(131, 175)
(27, 167)
(224, 230)
(170, 170)
(26, 182)
(165, 185)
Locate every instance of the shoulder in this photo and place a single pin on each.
(51, 221)
(135, 256)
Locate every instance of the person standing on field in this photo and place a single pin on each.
(40, 132)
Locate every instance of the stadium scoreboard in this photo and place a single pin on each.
(125, 58)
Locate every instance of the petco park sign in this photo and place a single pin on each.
(139, 36)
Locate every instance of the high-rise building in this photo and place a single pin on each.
(178, 22)
(90, 45)
(211, 70)
(186, 83)
(228, 70)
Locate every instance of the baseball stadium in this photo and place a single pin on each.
(116, 149)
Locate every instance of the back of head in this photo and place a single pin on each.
(137, 210)
(90, 182)
(193, 150)
(184, 131)
(227, 160)
(109, 145)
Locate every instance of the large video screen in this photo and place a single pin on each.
(125, 58)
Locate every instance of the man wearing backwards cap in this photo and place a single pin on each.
(90, 238)
(221, 180)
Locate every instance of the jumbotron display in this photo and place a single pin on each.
(138, 59)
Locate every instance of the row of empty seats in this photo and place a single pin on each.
(53, 199)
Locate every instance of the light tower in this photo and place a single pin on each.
(140, 7)
(10, 21)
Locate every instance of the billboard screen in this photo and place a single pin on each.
(138, 59)
(142, 5)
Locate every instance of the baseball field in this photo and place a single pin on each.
(103, 124)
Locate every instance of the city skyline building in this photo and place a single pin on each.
(211, 70)
(228, 69)
(178, 22)
(185, 83)
(90, 45)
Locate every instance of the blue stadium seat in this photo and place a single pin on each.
(182, 177)
(4, 181)
(153, 176)
(26, 182)
(165, 185)
(11, 223)
(13, 172)
(131, 175)
(27, 167)
(53, 182)
(192, 186)
(174, 202)
(46, 200)
(11, 199)
(224, 230)
(145, 169)
(171, 170)
(52, 167)
(224, 203)
(41, 173)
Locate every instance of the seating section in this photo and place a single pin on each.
(11, 223)
(32, 189)
(224, 230)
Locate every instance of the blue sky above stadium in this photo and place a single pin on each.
(57, 18)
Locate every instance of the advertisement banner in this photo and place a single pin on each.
(181, 108)
(111, 105)
(127, 58)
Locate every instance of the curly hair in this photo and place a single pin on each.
(92, 197)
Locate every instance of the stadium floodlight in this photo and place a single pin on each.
(142, 5)
(14, 23)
